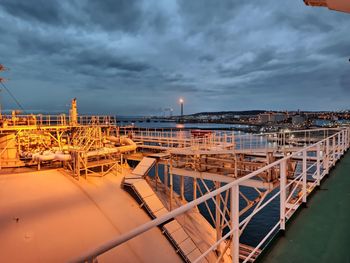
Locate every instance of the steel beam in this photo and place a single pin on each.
(283, 180)
(235, 223)
(304, 176)
(222, 178)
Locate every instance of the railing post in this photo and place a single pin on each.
(217, 215)
(283, 180)
(182, 187)
(345, 139)
(156, 175)
(318, 165)
(333, 150)
(343, 142)
(235, 223)
(166, 175)
(194, 188)
(304, 176)
(338, 145)
(327, 159)
(171, 187)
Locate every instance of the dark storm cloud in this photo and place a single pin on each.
(35, 10)
(259, 61)
(308, 22)
(340, 49)
(206, 58)
(136, 57)
(39, 44)
(105, 61)
(344, 81)
(203, 13)
(268, 62)
(115, 15)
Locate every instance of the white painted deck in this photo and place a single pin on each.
(49, 217)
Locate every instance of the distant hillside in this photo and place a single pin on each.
(249, 112)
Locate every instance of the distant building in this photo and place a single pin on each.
(278, 117)
(272, 117)
(298, 119)
(265, 117)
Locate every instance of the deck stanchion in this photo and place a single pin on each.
(283, 181)
(340, 143)
(166, 177)
(171, 187)
(340, 147)
(318, 172)
(217, 215)
(194, 188)
(343, 141)
(235, 223)
(304, 176)
(156, 175)
(333, 151)
(182, 187)
(327, 156)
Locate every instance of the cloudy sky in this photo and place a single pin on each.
(138, 57)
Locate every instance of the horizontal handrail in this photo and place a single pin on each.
(54, 120)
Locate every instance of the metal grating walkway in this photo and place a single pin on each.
(321, 232)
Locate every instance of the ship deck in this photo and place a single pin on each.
(321, 232)
(48, 216)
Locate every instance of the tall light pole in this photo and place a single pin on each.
(182, 106)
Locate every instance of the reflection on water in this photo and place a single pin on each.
(169, 125)
(319, 122)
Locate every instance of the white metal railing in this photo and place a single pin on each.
(327, 151)
(53, 120)
(224, 139)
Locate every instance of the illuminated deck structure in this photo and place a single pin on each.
(281, 168)
(82, 144)
(216, 167)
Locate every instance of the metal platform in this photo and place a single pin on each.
(285, 174)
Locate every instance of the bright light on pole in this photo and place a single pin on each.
(181, 100)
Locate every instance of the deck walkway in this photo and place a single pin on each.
(321, 232)
(46, 216)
